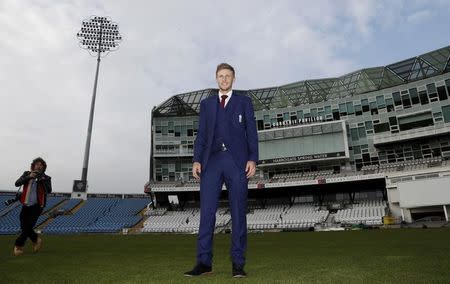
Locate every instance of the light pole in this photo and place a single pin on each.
(99, 36)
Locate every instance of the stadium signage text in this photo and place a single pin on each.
(303, 158)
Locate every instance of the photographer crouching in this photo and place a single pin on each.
(36, 184)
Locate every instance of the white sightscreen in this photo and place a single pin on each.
(426, 192)
(299, 146)
(307, 142)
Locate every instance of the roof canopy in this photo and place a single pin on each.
(314, 91)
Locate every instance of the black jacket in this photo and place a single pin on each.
(44, 181)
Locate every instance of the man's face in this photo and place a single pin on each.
(225, 79)
(38, 167)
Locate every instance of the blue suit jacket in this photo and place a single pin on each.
(242, 140)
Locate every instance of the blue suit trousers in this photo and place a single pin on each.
(222, 169)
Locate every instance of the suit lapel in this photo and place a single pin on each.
(231, 105)
(213, 105)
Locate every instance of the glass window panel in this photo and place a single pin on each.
(381, 127)
(177, 131)
(446, 113)
(361, 132)
(423, 97)
(442, 93)
(414, 96)
(415, 121)
(354, 134)
(397, 99)
(365, 105)
(389, 102)
(380, 101)
(373, 108)
(431, 88)
(358, 110)
(406, 101)
(350, 108)
(336, 115)
(447, 83)
(393, 120)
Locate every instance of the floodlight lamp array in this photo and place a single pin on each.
(99, 35)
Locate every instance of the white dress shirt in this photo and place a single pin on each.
(227, 94)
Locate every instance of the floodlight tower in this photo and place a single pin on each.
(99, 36)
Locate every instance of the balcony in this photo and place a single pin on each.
(388, 138)
(173, 153)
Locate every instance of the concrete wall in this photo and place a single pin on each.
(427, 192)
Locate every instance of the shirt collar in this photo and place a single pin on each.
(227, 94)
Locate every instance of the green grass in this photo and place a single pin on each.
(377, 256)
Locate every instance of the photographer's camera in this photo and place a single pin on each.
(12, 200)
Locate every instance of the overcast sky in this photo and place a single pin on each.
(172, 47)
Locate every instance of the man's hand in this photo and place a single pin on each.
(33, 174)
(196, 170)
(250, 169)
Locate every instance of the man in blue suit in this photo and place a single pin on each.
(226, 151)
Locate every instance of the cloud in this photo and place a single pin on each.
(418, 16)
(168, 48)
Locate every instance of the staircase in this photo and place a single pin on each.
(50, 219)
(138, 227)
(328, 225)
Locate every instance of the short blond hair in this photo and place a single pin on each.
(224, 66)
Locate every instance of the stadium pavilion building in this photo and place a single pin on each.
(368, 144)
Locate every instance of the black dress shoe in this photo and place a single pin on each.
(238, 271)
(199, 269)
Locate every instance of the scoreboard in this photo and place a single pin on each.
(303, 143)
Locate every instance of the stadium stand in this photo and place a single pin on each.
(369, 212)
(106, 215)
(9, 223)
(124, 214)
(302, 216)
(51, 203)
(186, 221)
(170, 221)
(69, 205)
(272, 217)
(266, 218)
(111, 215)
(3, 198)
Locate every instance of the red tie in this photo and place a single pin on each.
(222, 102)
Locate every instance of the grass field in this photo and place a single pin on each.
(376, 256)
